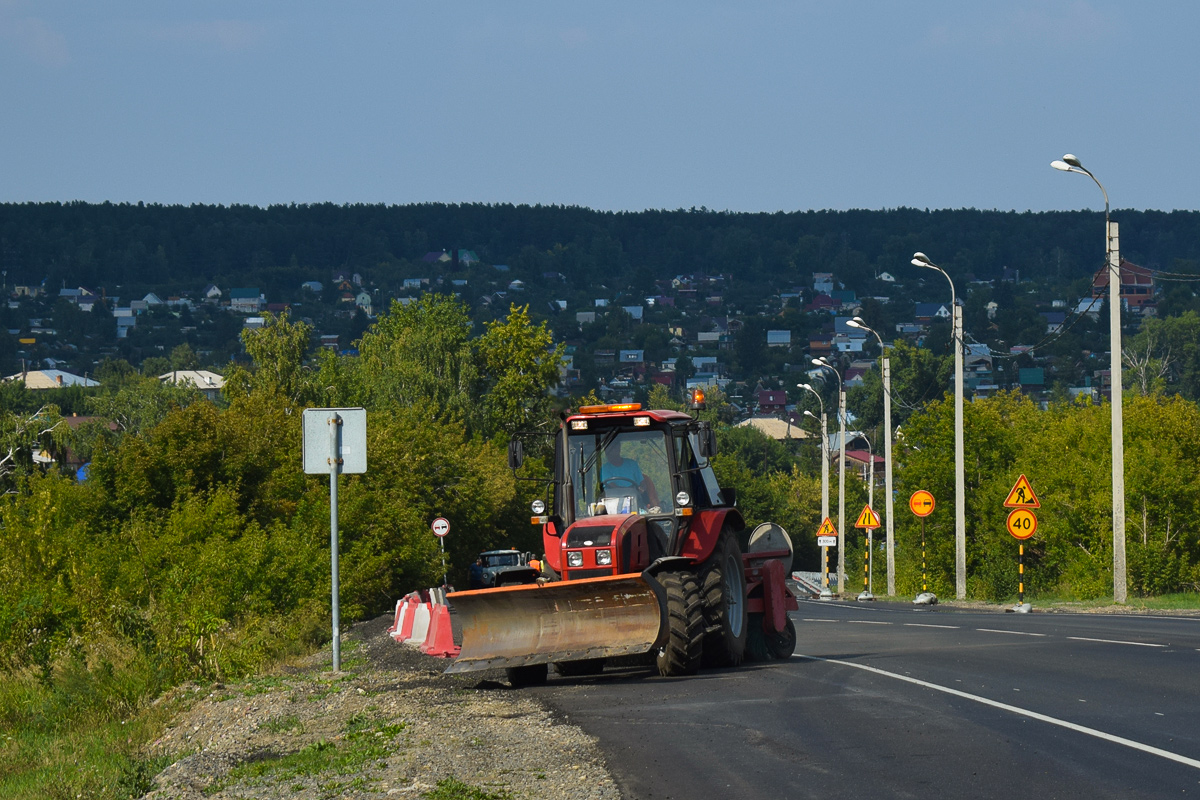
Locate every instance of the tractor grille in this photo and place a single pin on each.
(576, 574)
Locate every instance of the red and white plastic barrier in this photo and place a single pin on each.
(425, 624)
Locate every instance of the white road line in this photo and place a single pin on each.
(810, 619)
(1013, 633)
(1113, 641)
(923, 625)
(1108, 737)
(866, 622)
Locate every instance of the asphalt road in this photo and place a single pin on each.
(885, 700)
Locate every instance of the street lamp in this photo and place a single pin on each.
(825, 593)
(1112, 251)
(824, 449)
(841, 568)
(960, 499)
(857, 322)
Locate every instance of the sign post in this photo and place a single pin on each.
(869, 520)
(1021, 524)
(441, 527)
(826, 538)
(921, 504)
(335, 441)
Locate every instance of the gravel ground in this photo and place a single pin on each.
(389, 725)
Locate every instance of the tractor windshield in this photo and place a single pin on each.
(621, 472)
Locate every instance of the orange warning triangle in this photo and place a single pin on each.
(1022, 495)
(867, 519)
(827, 528)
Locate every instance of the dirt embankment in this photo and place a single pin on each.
(390, 724)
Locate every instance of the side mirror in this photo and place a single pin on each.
(708, 440)
(729, 495)
(516, 454)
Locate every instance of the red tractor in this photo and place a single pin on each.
(645, 555)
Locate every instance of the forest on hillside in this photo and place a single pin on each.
(164, 248)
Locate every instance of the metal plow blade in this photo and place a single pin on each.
(559, 621)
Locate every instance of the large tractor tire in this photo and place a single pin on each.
(527, 675)
(723, 592)
(685, 619)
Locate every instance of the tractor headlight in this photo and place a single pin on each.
(604, 557)
(538, 506)
(575, 559)
(682, 499)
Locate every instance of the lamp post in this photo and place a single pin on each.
(825, 593)
(960, 498)
(1112, 249)
(857, 322)
(824, 449)
(841, 568)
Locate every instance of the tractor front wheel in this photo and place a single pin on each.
(685, 620)
(723, 590)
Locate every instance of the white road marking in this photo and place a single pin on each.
(810, 619)
(1113, 641)
(1108, 737)
(1013, 633)
(924, 625)
(866, 622)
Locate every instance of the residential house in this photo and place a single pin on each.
(928, 312)
(50, 379)
(585, 317)
(245, 301)
(1137, 285)
(435, 257)
(211, 292)
(823, 283)
(779, 338)
(1054, 320)
(363, 301)
(634, 311)
(771, 401)
(778, 429)
(209, 383)
(313, 286)
(633, 356)
(823, 302)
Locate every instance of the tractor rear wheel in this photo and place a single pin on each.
(527, 675)
(723, 591)
(685, 620)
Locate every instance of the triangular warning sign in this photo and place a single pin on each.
(867, 519)
(827, 528)
(1022, 495)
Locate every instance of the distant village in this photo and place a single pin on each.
(691, 330)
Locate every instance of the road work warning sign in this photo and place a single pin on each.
(1022, 495)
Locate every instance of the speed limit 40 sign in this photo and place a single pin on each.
(1021, 523)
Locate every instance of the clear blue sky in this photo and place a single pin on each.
(746, 106)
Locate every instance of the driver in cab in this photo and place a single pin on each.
(621, 476)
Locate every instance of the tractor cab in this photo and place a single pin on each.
(626, 484)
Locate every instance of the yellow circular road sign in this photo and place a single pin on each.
(921, 503)
(1021, 523)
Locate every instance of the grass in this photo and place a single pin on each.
(365, 741)
(454, 789)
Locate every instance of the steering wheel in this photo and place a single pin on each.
(619, 481)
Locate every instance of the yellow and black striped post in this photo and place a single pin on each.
(867, 562)
(1021, 573)
(924, 578)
